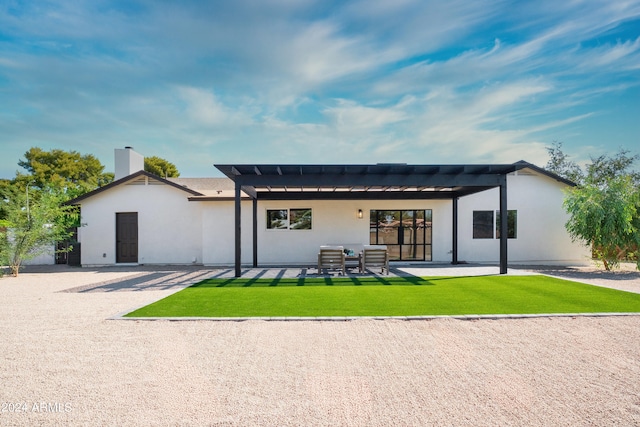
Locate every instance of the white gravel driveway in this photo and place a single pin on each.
(64, 363)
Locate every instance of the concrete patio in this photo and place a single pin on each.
(173, 277)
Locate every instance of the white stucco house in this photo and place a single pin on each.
(275, 215)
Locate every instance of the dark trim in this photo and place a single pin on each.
(371, 194)
(127, 179)
(215, 199)
(527, 165)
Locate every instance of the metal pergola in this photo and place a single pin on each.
(367, 182)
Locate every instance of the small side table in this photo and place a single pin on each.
(351, 261)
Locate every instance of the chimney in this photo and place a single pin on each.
(127, 162)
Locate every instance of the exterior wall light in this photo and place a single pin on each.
(360, 214)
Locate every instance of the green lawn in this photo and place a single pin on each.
(395, 296)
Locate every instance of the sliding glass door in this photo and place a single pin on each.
(406, 233)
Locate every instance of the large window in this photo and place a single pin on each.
(289, 219)
(277, 219)
(484, 226)
(406, 233)
(300, 219)
(512, 224)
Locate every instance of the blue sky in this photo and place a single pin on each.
(302, 81)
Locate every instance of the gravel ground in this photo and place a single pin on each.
(64, 363)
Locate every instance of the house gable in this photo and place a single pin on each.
(531, 168)
(138, 178)
(169, 227)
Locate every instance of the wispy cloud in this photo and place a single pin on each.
(348, 114)
(623, 55)
(407, 80)
(204, 108)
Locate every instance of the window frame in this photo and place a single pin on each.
(299, 217)
(395, 223)
(512, 224)
(290, 219)
(271, 219)
(481, 230)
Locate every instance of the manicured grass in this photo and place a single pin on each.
(396, 296)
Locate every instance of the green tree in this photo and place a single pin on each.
(560, 164)
(69, 172)
(33, 222)
(605, 168)
(4, 184)
(604, 207)
(160, 167)
(608, 218)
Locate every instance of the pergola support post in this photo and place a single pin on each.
(238, 240)
(255, 233)
(454, 248)
(503, 225)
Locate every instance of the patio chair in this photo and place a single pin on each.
(331, 257)
(374, 256)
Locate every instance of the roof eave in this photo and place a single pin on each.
(126, 179)
(524, 164)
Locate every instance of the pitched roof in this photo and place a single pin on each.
(353, 180)
(131, 179)
(207, 186)
(546, 172)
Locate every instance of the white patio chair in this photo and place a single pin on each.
(331, 257)
(374, 256)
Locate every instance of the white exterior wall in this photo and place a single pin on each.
(173, 230)
(218, 232)
(169, 226)
(46, 258)
(541, 235)
(333, 222)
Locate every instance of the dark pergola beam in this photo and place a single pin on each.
(391, 180)
(369, 195)
(250, 191)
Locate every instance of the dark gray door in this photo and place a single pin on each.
(127, 237)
